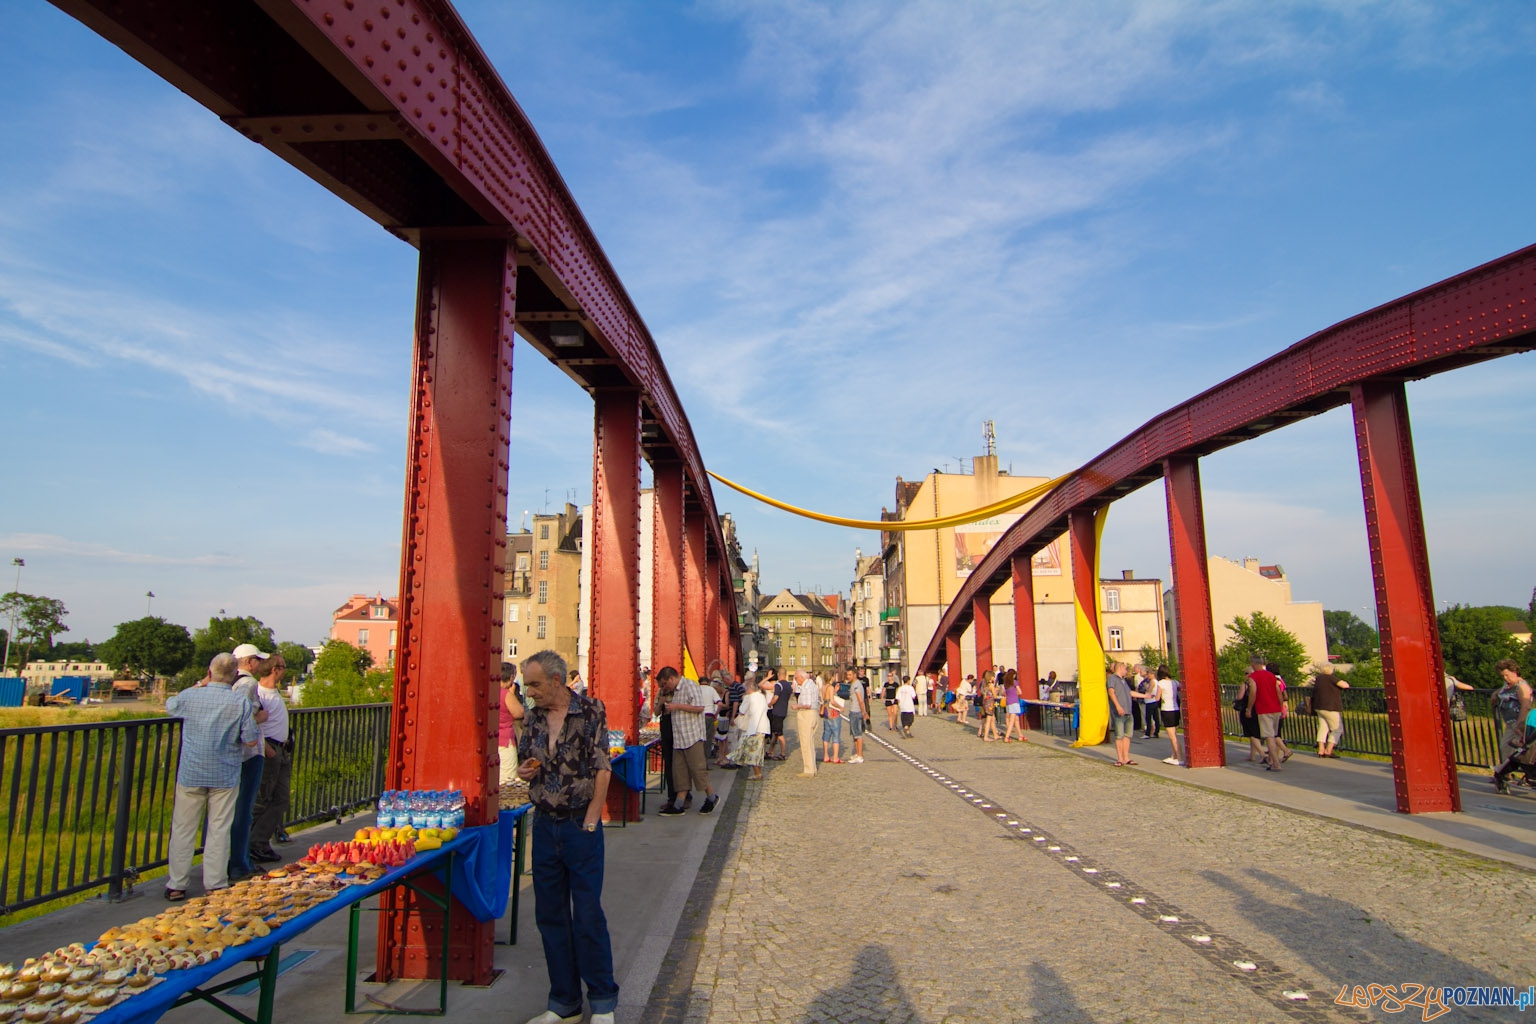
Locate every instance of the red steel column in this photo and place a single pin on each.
(613, 661)
(981, 618)
(1084, 543)
(1201, 705)
(952, 657)
(694, 586)
(667, 567)
(1026, 656)
(711, 587)
(453, 557)
(1423, 757)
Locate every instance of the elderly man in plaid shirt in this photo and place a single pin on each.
(217, 727)
(686, 701)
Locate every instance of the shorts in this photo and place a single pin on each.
(776, 725)
(906, 719)
(855, 726)
(1122, 725)
(831, 730)
(1269, 725)
(1170, 719)
(1013, 709)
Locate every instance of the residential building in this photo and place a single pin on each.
(867, 603)
(554, 617)
(517, 597)
(371, 624)
(744, 581)
(40, 674)
(925, 569)
(1244, 587)
(842, 629)
(801, 632)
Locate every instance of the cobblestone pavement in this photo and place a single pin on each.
(891, 891)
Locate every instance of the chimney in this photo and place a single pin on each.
(1127, 574)
(1251, 564)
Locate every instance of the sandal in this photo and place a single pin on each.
(1131, 762)
(175, 895)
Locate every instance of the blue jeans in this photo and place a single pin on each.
(240, 829)
(567, 907)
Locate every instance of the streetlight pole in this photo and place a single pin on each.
(149, 597)
(18, 563)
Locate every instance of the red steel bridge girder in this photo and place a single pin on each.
(1026, 653)
(981, 620)
(667, 566)
(453, 558)
(1423, 755)
(1205, 747)
(614, 650)
(711, 581)
(1084, 544)
(952, 659)
(693, 586)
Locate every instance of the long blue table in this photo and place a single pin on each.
(477, 864)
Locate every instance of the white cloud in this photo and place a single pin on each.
(46, 543)
(328, 442)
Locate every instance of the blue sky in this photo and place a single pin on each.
(856, 230)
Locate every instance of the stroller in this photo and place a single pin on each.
(1522, 761)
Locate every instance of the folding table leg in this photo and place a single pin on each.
(268, 985)
(353, 913)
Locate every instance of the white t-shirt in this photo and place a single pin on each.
(1168, 690)
(755, 706)
(966, 689)
(905, 698)
(711, 699)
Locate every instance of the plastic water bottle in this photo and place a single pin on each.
(386, 810)
(413, 809)
(439, 808)
(456, 809)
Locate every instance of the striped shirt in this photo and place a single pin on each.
(688, 726)
(216, 729)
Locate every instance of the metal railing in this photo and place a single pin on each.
(1365, 724)
(87, 806)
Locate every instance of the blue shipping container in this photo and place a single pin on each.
(75, 686)
(11, 692)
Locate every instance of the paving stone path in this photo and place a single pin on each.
(946, 880)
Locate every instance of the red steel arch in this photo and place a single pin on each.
(394, 107)
(1484, 313)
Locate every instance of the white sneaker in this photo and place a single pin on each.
(1172, 760)
(551, 1017)
(855, 760)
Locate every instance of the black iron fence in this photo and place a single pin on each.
(88, 806)
(1365, 724)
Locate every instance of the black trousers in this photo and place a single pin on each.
(271, 799)
(666, 759)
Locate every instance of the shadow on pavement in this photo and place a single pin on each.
(1052, 998)
(873, 994)
(1341, 942)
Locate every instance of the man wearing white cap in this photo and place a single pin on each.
(249, 658)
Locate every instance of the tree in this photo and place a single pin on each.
(1263, 637)
(222, 635)
(1350, 637)
(76, 651)
(297, 657)
(148, 647)
(343, 674)
(1473, 640)
(1152, 657)
(38, 620)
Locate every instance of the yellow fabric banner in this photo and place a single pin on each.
(959, 519)
(1092, 696)
(689, 669)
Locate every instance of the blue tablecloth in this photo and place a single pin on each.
(482, 877)
(629, 767)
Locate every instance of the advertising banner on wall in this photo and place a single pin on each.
(1047, 561)
(974, 540)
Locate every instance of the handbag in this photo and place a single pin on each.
(1458, 709)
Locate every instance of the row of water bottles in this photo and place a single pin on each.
(421, 808)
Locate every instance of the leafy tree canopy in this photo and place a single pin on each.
(38, 620)
(148, 647)
(82, 650)
(1152, 657)
(1261, 636)
(223, 634)
(1350, 637)
(343, 674)
(339, 659)
(1473, 640)
(297, 657)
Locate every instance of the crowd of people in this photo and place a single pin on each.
(235, 768)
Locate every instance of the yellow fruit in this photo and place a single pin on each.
(429, 833)
(407, 834)
(428, 844)
(447, 834)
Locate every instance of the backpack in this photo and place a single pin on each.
(843, 690)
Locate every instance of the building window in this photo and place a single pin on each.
(392, 635)
(543, 531)
(362, 638)
(522, 562)
(1116, 639)
(511, 648)
(1111, 600)
(543, 627)
(543, 592)
(511, 613)
(543, 559)
(381, 611)
(390, 658)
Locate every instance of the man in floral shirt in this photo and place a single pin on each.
(565, 741)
